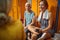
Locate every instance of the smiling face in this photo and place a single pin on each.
(42, 6)
(27, 6)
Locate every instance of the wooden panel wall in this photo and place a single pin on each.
(17, 9)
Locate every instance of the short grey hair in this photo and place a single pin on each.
(27, 3)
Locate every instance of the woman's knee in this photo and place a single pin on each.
(34, 36)
(48, 35)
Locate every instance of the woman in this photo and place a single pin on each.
(10, 29)
(45, 21)
(28, 16)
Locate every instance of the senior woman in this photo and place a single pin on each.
(10, 29)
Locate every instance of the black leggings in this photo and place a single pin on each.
(27, 34)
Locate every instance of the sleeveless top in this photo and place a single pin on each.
(44, 21)
(28, 17)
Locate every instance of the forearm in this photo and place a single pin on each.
(24, 23)
(49, 25)
(25, 27)
(46, 29)
(30, 28)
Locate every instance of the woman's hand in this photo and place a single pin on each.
(25, 28)
(36, 33)
(37, 28)
(40, 30)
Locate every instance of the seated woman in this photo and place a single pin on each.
(10, 29)
(45, 20)
(28, 16)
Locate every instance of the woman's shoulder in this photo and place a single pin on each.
(32, 12)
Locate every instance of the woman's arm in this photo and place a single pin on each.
(32, 29)
(24, 22)
(32, 20)
(49, 24)
(25, 27)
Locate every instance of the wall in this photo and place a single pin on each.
(58, 29)
(17, 9)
